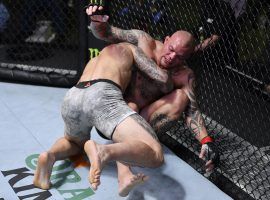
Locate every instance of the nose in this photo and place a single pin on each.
(172, 55)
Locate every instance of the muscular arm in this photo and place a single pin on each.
(151, 69)
(148, 66)
(211, 41)
(193, 116)
(165, 112)
(104, 31)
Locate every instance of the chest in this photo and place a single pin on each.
(181, 77)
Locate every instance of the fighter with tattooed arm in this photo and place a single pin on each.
(143, 95)
(97, 100)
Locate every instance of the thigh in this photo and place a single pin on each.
(136, 128)
(171, 105)
(78, 134)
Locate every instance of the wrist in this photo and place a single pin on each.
(206, 139)
(96, 21)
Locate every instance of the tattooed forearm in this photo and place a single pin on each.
(132, 36)
(194, 117)
(105, 31)
(195, 123)
(162, 123)
(125, 35)
(149, 67)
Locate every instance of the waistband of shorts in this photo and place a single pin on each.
(86, 84)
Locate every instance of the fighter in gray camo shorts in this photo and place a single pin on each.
(96, 103)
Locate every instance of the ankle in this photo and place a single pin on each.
(51, 156)
(104, 153)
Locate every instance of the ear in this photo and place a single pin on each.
(166, 38)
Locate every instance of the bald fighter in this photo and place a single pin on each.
(97, 100)
(157, 108)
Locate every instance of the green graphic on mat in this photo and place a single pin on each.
(63, 174)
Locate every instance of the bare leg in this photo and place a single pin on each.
(62, 149)
(97, 161)
(142, 150)
(127, 180)
(168, 108)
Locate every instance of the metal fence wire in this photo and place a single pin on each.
(233, 78)
(39, 41)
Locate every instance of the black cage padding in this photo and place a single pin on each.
(44, 42)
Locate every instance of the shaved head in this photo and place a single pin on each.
(176, 49)
(184, 39)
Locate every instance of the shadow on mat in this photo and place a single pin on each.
(159, 186)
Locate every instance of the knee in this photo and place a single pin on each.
(158, 157)
(159, 160)
(179, 94)
(179, 101)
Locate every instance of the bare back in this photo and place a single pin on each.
(114, 63)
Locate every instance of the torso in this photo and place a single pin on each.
(143, 91)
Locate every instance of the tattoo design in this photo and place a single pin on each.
(161, 123)
(145, 125)
(131, 36)
(148, 89)
(196, 123)
(149, 67)
(104, 31)
(128, 36)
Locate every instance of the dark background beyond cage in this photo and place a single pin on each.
(43, 41)
(233, 81)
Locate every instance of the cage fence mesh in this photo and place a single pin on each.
(233, 78)
(39, 41)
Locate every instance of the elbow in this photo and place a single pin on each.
(163, 79)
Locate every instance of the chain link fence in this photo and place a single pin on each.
(233, 79)
(42, 41)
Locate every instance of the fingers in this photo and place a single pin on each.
(202, 153)
(92, 9)
(209, 166)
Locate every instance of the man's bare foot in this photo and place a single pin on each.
(92, 150)
(44, 170)
(130, 182)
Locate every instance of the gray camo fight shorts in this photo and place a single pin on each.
(97, 103)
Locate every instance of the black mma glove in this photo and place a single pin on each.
(211, 150)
